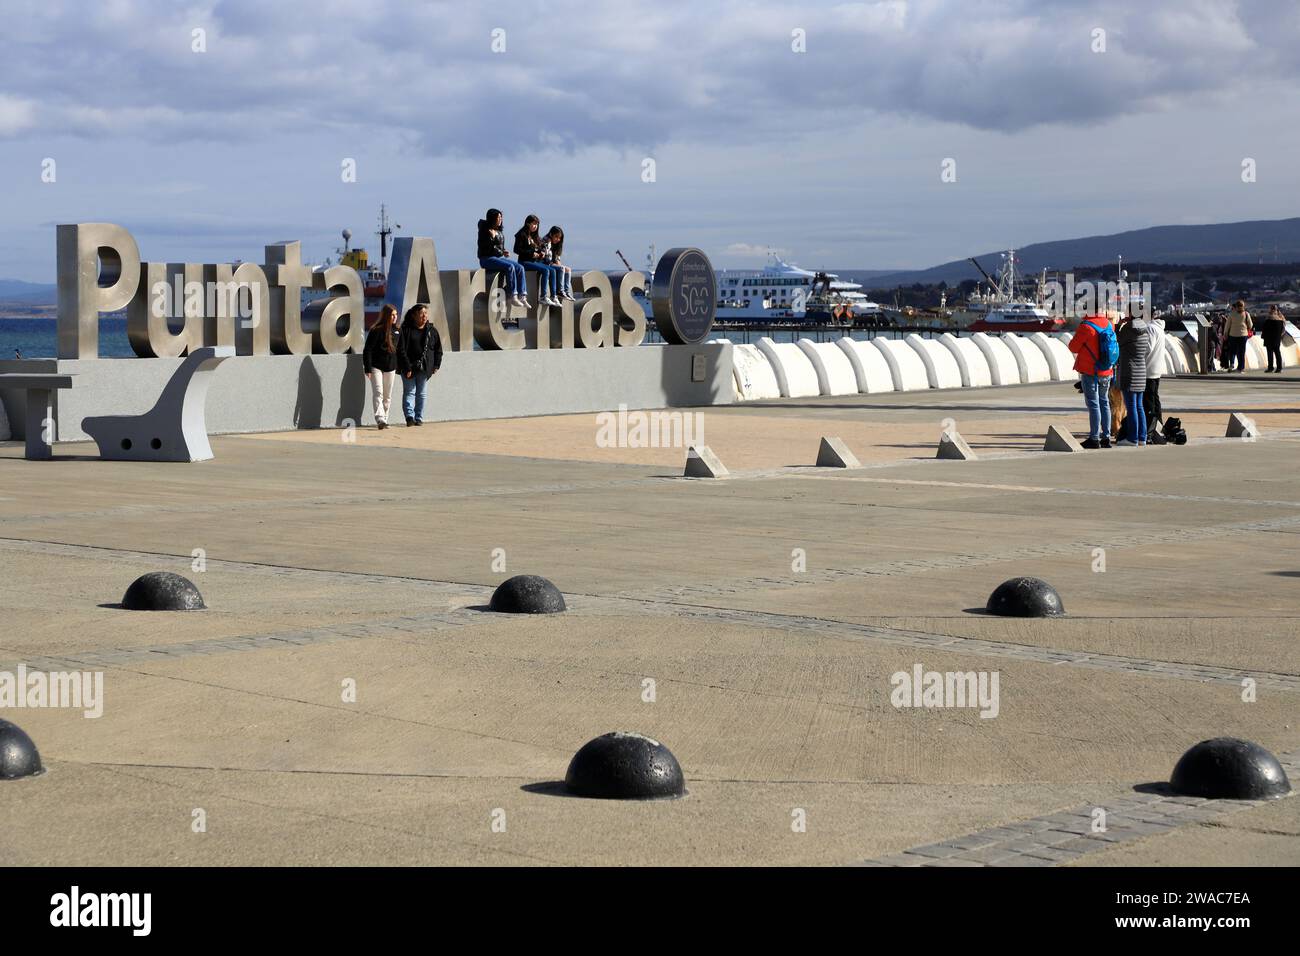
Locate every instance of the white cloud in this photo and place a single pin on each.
(16, 115)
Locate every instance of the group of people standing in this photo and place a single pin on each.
(1229, 334)
(537, 251)
(1120, 359)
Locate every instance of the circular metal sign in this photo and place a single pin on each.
(684, 296)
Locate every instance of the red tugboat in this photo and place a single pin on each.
(374, 277)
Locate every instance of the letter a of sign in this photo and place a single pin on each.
(413, 275)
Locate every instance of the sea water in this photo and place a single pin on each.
(38, 338)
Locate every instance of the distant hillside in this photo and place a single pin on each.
(11, 290)
(1229, 242)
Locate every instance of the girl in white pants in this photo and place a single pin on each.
(380, 360)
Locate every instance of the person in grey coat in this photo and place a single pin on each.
(1133, 350)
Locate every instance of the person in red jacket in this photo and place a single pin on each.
(1095, 382)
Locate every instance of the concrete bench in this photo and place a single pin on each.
(176, 428)
(40, 389)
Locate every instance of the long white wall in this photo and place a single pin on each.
(949, 361)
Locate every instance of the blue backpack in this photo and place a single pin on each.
(1107, 347)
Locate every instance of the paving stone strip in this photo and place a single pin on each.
(958, 561)
(463, 599)
(276, 504)
(1069, 834)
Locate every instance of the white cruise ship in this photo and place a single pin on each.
(783, 292)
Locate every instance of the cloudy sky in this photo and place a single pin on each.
(211, 128)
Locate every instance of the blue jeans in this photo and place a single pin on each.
(514, 273)
(1096, 395)
(546, 283)
(565, 275)
(1137, 416)
(414, 390)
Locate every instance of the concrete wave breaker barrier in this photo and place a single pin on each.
(869, 366)
(794, 370)
(905, 366)
(971, 363)
(1003, 367)
(941, 367)
(755, 379)
(1060, 360)
(835, 373)
(1030, 361)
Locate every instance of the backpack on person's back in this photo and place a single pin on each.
(1107, 347)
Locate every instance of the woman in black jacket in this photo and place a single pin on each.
(380, 360)
(1271, 330)
(492, 255)
(419, 355)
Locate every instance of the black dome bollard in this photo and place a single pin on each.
(622, 766)
(527, 594)
(18, 755)
(162, 591)
(1226, 767)
(1025, 597)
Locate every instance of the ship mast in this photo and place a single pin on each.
(385, 230)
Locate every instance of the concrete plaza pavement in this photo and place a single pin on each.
(370, 560)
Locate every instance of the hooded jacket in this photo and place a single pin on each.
(1156, 357)
(490, 246)
(1084, 346)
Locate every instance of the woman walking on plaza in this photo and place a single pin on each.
(419, 355)
(528, 247)
(1095, 351)
(492, 255)
(1133, 345)
(1271, 329)
(380, 361)
(1238, 327)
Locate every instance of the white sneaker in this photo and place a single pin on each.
(519, 300)
(568, 295)
(1123, 441)
(553, 301)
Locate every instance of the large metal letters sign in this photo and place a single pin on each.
(174, 309)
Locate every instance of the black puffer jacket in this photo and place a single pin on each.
(419, 350)
(1133, 345)
(488, 244)
(376, 356)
